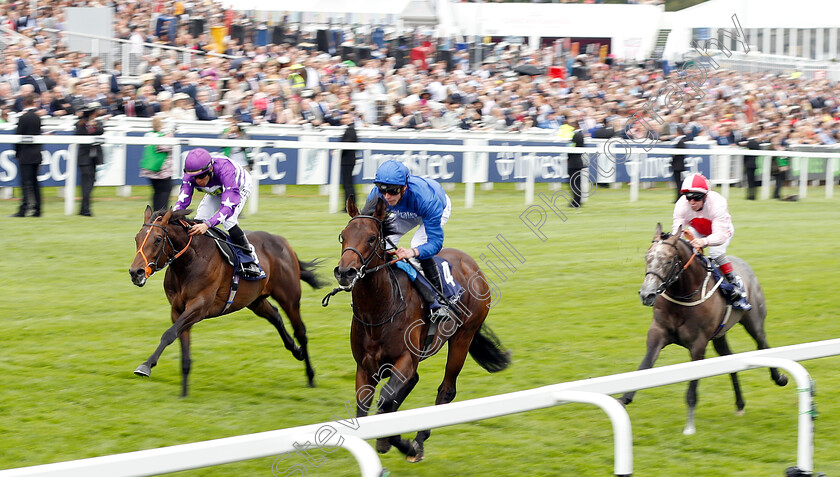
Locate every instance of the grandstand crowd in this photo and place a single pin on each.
(294, 84)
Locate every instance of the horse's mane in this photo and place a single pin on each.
(387, 224)
(177, 215)
(667, 235)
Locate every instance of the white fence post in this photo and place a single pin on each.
(254, 200)
(635, 166)
(335, 172)
(765, 177)
(70, 181)
(528, 160)
(622, 430)
(805, 440)
(829, 177)
(803, 177)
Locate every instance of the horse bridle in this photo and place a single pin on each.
(152, 266)
(378, 251)
(676, 268)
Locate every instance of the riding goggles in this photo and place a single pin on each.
(695, 196)
(389, 189)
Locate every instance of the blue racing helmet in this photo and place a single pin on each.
(392, 172)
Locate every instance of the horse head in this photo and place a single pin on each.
(152, 240)
(362, 243)
(663, 265)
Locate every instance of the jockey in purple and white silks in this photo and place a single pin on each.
(413, 201)
(227, 187)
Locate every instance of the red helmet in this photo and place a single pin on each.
(695, 183)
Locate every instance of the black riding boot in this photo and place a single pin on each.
(430, 270)
(238, 237)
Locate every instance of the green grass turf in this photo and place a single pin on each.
(74, 327)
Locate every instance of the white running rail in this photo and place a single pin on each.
(594, 391)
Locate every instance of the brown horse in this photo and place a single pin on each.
(690, 310)
(389, 331)
(198, 283)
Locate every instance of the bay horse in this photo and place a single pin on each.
(198, 284)
(690, 310)
(388, 330)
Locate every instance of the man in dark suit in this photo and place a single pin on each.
(752, 144)
(678, 160)
(348, 157)
(575, 165)
(29, 158)
(203, 108)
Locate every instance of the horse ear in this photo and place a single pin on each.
(167, 216)
(148, 215)
(679, 231)
(657, 234)
(380, 209)
(352, 210)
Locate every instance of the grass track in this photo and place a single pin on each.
(73, 327)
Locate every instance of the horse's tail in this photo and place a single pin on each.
(487, 351)
(307, 273)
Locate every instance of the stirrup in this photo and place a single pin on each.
(254, 253)
(439, 314)
(741, 304)
(250, 269)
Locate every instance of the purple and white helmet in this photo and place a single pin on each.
(198, 162)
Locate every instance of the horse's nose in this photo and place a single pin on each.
(138, 276)
(647, 298)
(345, 275)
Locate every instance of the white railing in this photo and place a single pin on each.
(595, 391)
(721, 160)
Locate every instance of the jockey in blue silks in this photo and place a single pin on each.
(413, 201)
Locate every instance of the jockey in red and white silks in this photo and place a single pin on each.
(705, 213)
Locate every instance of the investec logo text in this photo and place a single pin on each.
(423, 164)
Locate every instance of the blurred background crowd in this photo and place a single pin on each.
(292, 82)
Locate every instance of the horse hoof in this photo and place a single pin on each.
(311, 383)
(740, 412)
(689, 431)
(143, 370)
(382, 446)
(783, 380)
(415, 452)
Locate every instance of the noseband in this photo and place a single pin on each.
(152, 266)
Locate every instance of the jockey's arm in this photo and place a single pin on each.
(184, 196)
(230, 200)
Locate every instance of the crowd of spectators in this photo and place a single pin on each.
(294, 84)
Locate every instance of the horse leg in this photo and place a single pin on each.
(293, 313)
(184, 322)
(655, 342)
(459, 346)
(186, 361)
(722, 348)
(265, 309)
(383, 444)
(754, 324)
(365, 389)
(698, 352)
(394, 393)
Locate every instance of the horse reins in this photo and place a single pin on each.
(152, 266)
